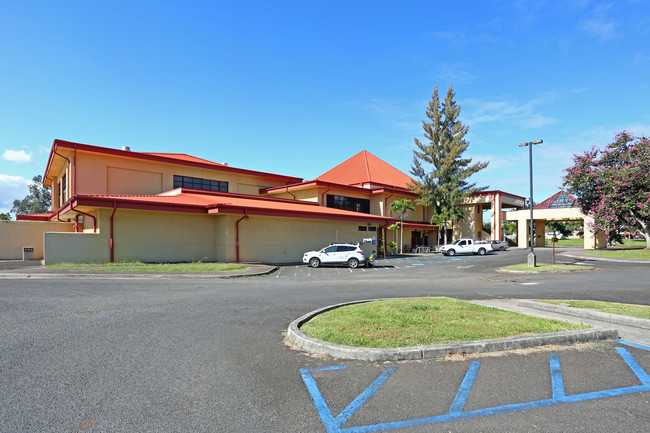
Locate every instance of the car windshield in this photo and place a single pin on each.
(458, 242)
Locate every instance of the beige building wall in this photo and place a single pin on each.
(112, 174)
(285, 240)
(15, 235)
(154, 236)
(76, 248)
(163, 236)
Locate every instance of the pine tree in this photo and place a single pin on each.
(440, 172)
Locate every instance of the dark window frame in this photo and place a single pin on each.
(361, 205)
(200, 183)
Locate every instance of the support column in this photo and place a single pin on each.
(593, 240)
(522, 233)
(540, 230)
(496, 218)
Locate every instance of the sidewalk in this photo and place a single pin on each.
(629, 328)
(35, 269)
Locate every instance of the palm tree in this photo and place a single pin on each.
(402, 208)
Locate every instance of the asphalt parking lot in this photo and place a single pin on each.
(108, 353)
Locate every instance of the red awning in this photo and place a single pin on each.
(420, 226)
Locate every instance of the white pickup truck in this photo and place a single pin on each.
(466, 246)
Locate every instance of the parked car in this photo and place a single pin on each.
(336, 254)
(498, 245)
(466, 246)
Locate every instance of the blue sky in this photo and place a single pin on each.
(296, 87)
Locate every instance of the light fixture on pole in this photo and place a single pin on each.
(532, 261)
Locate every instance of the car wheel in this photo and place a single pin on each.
(314, 262)
(451, 252)
(353, 263)
(481, 251)
(502, 249)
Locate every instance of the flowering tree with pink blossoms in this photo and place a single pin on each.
(613, 185)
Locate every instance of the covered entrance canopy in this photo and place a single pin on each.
(559, 207)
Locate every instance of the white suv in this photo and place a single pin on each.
(350, 254)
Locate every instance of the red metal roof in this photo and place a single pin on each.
(183, 157)
(46, 216)
(197, 201)
(170, 158)
(365, 168)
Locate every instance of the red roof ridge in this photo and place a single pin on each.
(364, 168)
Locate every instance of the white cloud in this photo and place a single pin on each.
(12, 188)
(524, 115)
(600, 24)
(19, 156)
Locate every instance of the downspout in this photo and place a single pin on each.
(51, 191)
(386, 204)
(74, 172)
(87, 214)
(286, 189)
(237, 233)
(322, 196)
(111, 243)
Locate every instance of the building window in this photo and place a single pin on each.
(372, 229)
(348, 203)
(363, 228)
(198, 183)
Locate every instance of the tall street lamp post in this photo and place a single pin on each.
(532, 261)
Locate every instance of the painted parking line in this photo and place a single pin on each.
(334, 424)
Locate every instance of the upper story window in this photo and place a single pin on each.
(198, 183)
(348, 203)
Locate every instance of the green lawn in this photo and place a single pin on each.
(578, 242)
(641, 311)
(620, 253)
(423, 321)
(153, 267)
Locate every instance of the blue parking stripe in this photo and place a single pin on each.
(457, 408)
(636, 368)
(458, 404)
(364, 396)
(557, 381)
(639, 346)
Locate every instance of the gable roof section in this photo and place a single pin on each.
(364, 168)
(169, 158)
(183, 157)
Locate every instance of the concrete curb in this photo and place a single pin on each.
(577, 255)
(563, 271)
(587, 314)
(257, 271)
(316, 346)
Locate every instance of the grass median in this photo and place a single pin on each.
(153, 267)
(423, 321)
(545, 267)
(641, 311)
